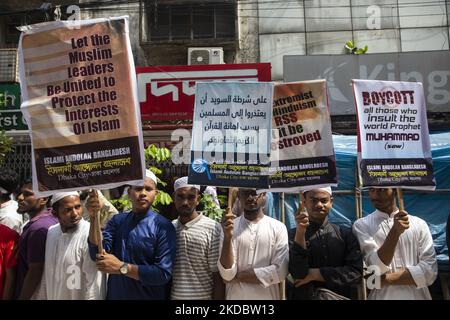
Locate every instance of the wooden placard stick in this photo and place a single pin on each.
(401, 204)
(98, 230)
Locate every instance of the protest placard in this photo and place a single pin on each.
(302, 153)
(231, 134)
(393, 138)
(79, 97)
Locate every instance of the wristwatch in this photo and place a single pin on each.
(124, 268)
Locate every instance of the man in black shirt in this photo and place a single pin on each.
(321, 254)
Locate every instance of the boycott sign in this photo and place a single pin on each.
(393, 138)
(231, 134)
(302, 147)
(80, 102)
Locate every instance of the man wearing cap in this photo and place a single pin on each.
(69, 272)
(398, 248)
(322, 255)
(139, 247)
(8, 207)
(31, 256)
(254, 254)
(195, 274)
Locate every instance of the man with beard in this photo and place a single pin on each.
(69, 272)
(31, 255)
(195, 274)
(139, 247)
(399, 247)
(322, 255)
(254, 254)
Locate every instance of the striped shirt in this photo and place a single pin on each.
(196, 258)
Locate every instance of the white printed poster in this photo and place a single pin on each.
(231, 134)
(302, 147)
(393, 137)
(79, 95)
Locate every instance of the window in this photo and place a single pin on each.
(191, 21)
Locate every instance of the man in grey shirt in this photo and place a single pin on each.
(195, 274)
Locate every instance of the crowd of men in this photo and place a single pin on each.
(56, 255)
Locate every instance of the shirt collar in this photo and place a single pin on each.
(74, 230)
(140, 216)
(314, 226)
(45, 212)
(385, 215)
(189, 224)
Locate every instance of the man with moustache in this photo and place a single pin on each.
(322, 255)
(139, 247)
(31, 256)
(195, 273)
(399, 247)
(69, 272)
(254, 254)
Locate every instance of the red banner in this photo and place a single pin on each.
(168, 92)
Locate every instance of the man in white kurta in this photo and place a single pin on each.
(254, 251)
(69, 272)
(399, 246)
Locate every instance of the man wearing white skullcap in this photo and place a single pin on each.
(322, 255)
(198, 239)
(67, 247)
(139, 247)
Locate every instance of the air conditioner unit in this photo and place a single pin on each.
(205, 56)
(9, 67)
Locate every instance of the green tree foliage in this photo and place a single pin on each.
(5, 146)
(352, 49)
(210, 208)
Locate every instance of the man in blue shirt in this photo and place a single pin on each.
(139, 248)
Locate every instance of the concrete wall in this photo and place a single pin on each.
(281, 32)
(245, 49)
(132, 10)
(323, 26)
(248, 30)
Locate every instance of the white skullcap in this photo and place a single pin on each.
(327, 190)
(183, 183)
(60, 195)
(151, 175)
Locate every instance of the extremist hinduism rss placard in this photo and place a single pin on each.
(231, 134)
(393, 138)
(79, 94)
(302, 153)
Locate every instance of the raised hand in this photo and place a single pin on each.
(93, 203)
(228, 224)
(401, 222)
